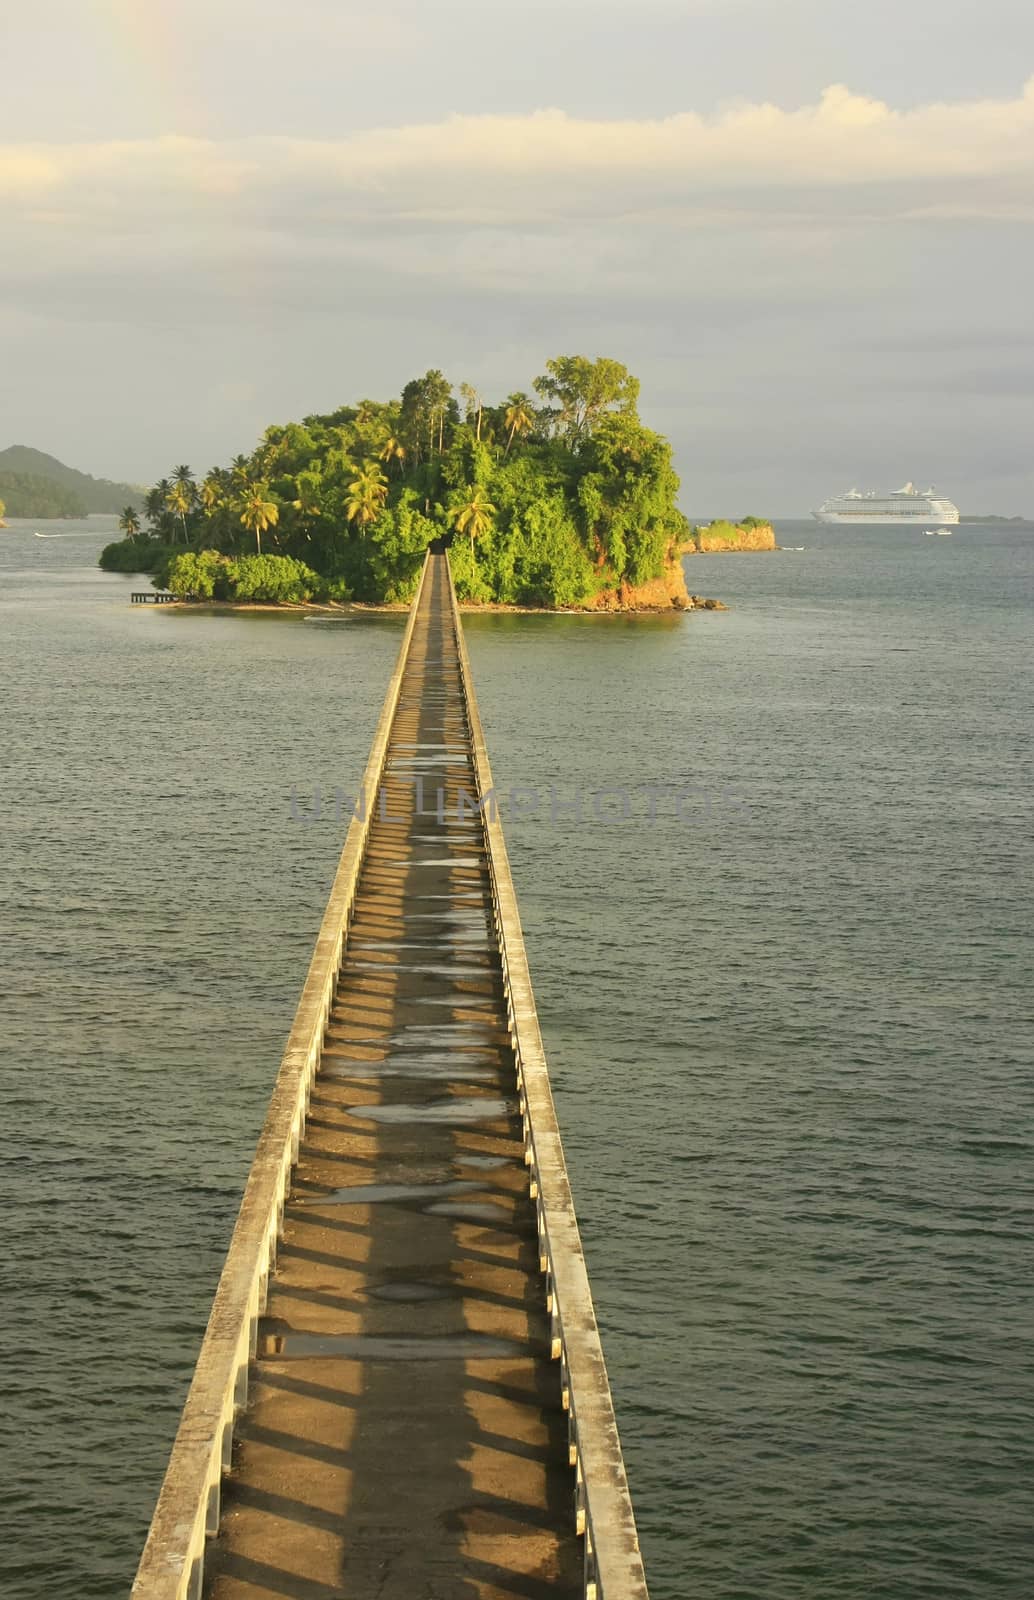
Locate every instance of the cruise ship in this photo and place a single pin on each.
(903, 506)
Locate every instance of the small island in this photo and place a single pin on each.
(561, 500)
(753, 533)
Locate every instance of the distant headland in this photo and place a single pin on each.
(34, 484)
(708, 538)
(1014, 522)
(560, 499)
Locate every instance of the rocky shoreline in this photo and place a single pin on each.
(716, 538)
(630, 606)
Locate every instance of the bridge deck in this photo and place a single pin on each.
(404, 1435)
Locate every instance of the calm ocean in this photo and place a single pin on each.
(775, 872)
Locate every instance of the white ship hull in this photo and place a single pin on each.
(901, 509)
(897, 519)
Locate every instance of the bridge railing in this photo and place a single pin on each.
(187, 1513)
(603, 1506)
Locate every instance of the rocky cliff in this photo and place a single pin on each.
(666, 593)
(720, 536)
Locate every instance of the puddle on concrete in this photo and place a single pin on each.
(404, 1061)
(445, 755)
(479, 1109)
(467, 1035)
(464, 895)
(290, 1345)
(471, 1210)
(460, 831)
(483, 1006)
(461, 1035)
(468, 916)
(453, 1071)
(372, 1194)
(442, 861)
(415, 1291)
(458, 940)
(432, 968)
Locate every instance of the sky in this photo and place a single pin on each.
(806, 225)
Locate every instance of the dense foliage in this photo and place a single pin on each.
(548, 501)
(136, 554)
(25, 495)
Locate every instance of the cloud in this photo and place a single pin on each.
(826, 255)
(846, 154)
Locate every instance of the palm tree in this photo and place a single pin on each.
(519, 418)
(394, 450)
(259, 513)
(473, 517)
(213, 490)
(240, 471)
(184, 476)
(128, 521)
(179, 501)
(366, 495)
(156, 504)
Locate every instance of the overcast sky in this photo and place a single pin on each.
(807, 226)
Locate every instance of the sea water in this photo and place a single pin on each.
(774, 870)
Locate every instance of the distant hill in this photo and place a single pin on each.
(86, 494)
(24, 495)
(1023, 522)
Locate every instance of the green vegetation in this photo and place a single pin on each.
(28, 496)
(723, 529)
(208, 575)
(139, 553)
(734, 534)
(551, 502)
(45, 482)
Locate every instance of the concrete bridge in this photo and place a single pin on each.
(401, 1392)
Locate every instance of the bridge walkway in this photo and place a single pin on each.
(404, 1436)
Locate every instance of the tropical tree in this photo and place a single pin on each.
(184, 476)
(128, 521)
(307, 491)
(213, 490)
(258, 513)
(519, 417)
(179, 501)
(156, 505)
(3, 508)
(394, 450)
(366, 495)
(475, 405)
(473, 516)
(582, 391)
(425, 405)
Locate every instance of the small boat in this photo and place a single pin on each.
(944, 533)
(930, 532)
